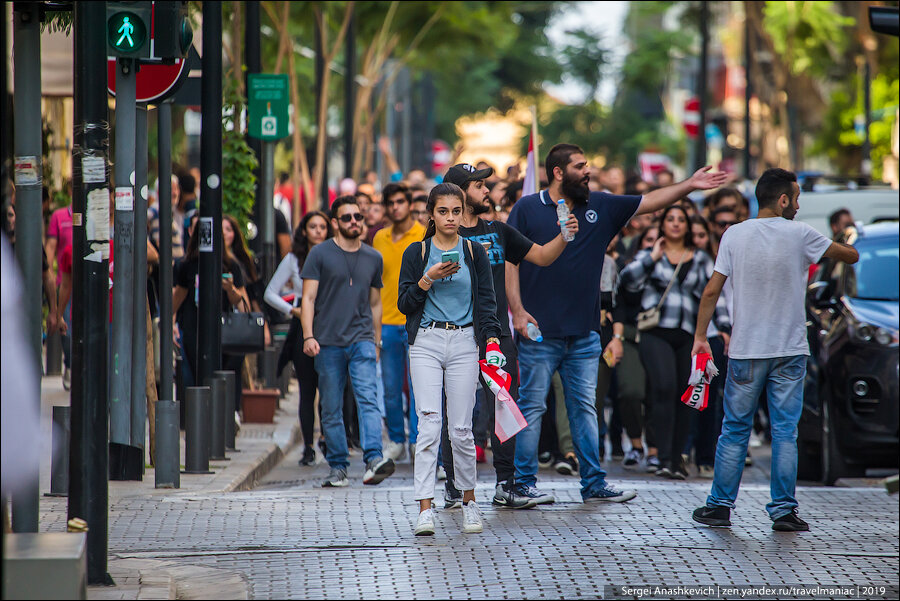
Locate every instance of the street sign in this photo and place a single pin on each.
(267, 99)
(692, 117)
(156, 81)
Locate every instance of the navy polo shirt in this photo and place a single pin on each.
(564, 297)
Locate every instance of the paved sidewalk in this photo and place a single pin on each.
(260, 447)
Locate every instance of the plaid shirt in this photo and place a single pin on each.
(683, 301)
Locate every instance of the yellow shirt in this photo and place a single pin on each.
(392, 254)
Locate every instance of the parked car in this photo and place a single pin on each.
(851, 407)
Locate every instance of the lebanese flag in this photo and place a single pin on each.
(532, 182)
(508, 420)
(703, 370)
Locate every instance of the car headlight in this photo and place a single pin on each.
(865, 332)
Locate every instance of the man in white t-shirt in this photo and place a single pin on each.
(767, 260)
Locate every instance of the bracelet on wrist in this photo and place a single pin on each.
(308, 338)
(619, 337)
(493, 339)
(427, 279)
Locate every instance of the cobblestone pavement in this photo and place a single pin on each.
(291, 539)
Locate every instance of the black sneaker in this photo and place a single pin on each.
(452, 497)
(309, 456)
(664, 472)
(545, 459)
(790, 522)
(633, 458)
(503, 497)
(653, 464)
(567, 466)
(713, 516)
(609, 493)
(377, 470)
(531, 492)
(679, 470)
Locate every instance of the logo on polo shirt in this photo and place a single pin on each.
(591, 216)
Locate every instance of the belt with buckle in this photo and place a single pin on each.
(446, 325)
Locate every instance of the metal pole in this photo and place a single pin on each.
(230, 397)
(166, 472)
(268, 209)
(216, 416)
(210, 309)
(139, 302)
(406, 120)
(196, 441)
(700, 159)
(89, 452)
(253, 60)
(28, 178)
(867, 107)
(349, 94)
(166, 345)
(748, 93)
(323, 130)
(123, 278)
(59, 461)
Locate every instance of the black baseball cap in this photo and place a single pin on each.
(463, 173)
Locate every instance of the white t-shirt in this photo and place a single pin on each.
(767, 261)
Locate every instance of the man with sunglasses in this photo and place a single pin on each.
(341, 317)
(391, 242)
(722, 218)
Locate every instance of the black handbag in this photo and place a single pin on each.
(243, 333)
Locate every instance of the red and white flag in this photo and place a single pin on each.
(532, 182)
(508, 420)
(703, 370)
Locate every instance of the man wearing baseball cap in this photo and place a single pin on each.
(502, 243)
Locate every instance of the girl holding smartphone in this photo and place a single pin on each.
(450, 309)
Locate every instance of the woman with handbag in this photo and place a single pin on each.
(186, 295)
(314, 228)
(671, 278)
(446, 291)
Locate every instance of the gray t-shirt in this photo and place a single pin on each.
(343, 314)
(767, 261)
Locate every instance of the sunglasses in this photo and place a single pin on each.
(351, 217)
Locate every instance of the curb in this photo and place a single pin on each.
(264, 464)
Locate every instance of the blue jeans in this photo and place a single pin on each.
(576, 359)
(332, 364)
(782, 378)
(394, 370)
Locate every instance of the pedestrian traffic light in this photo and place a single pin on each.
(172, 30)
(128, 28)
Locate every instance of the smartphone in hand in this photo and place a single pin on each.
(451, 256)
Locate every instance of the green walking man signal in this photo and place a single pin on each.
(127, 27)
(126, 30)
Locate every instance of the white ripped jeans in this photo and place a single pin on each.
(444, 360)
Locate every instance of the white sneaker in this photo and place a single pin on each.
(394, 450)
(472, 523)
(425, 525)
(441, 473)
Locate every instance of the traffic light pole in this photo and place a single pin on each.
(139, 300)
(210, 224)
(700, 156)
(28, 178)
(123, 276)
(88, 451)
(254, 65)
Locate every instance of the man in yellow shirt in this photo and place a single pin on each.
(391, 242)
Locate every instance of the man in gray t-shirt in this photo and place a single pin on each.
(767, 259)
(341, 318)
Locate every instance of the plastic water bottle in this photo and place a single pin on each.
(562, 212)
(534, 332)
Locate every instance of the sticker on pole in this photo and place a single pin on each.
(206, 234)
(124, 198)
(93, 170)
(97, 227)
(28, 170)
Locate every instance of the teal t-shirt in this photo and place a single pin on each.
(449, 299)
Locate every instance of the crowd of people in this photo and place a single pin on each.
(402, 299)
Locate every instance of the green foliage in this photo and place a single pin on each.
(811, 36)
(838, 139)
(238, 160)
(58, 21)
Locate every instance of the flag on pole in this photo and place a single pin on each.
(532, 182)
(508, 419)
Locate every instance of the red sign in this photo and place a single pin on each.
(692, 117)
(155, 81)
(440, 156)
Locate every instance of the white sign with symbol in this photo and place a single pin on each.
(269, 125)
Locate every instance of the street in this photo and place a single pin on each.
(288, 538)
